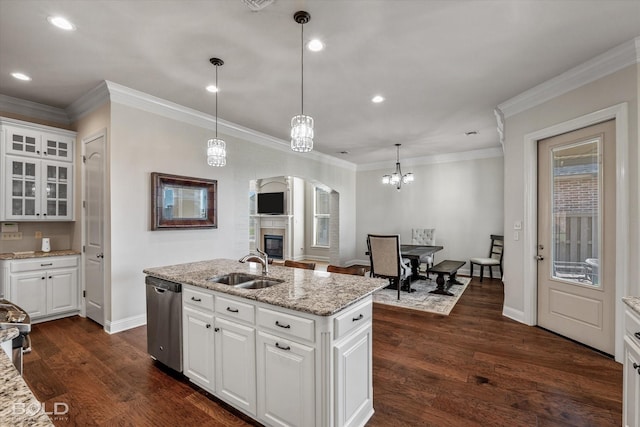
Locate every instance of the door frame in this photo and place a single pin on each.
(83, 308)
(620, 113)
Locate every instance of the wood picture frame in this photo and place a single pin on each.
(182, 202)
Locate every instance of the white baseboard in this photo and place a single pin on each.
(513, 314)
(124, 324)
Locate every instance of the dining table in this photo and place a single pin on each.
(417, 254)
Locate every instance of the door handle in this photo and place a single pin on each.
(539, 257)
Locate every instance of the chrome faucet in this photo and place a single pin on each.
(263, 259)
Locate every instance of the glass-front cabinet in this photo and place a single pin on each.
(37, 180)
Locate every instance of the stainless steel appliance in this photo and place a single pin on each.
(164, 322)
(12, 316)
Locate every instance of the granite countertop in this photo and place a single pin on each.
(310, 291)
(633, 302)
(37, 254)
(17, 402)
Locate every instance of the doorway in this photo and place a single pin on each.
(93, 220)
(576, 235)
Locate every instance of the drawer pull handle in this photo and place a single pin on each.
(233, 310)
(195, 299)
(637, 335)
(287, 348)
(360, 317)
(46, 265)
(282, 325)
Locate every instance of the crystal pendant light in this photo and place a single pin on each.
(216, 148)
(397, 178)
(302, 125)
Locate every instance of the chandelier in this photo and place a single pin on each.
(216, 148)
(301, 125)
(397, 178)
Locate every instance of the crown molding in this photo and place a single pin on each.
(485, 153)
(33, 109)
(143, 101)
(602, 65)
(89, 102)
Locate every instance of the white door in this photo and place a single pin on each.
(576, 235)
(94, 227)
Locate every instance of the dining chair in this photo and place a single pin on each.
(354, 269)
(386, 259)
(427, 237)
(493, 260)
(300, 264)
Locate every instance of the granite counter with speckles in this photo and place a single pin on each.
(633, 302)
(36, 254)
(310, 291)
(18, 405)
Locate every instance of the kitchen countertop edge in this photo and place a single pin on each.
(37, 254)
(633, 303)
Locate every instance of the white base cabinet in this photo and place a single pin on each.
(46, 288)
(631, 370)
(279, 366)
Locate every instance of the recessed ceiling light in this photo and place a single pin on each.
(377, 99)
(315, 45)
(21, 76)
(471, 132)
(212, 88)
(61, 22)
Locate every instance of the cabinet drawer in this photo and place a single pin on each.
(286, 324)
(632, 325)
(235, 309)
(346, 322)
(196, 298)
(45, 263)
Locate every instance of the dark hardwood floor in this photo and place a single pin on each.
(473, 367)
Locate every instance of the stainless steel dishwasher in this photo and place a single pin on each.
(164, 322)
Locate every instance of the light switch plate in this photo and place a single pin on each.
(517, 225)
(9, 227)
(12, 236)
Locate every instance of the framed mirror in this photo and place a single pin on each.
(181, 202)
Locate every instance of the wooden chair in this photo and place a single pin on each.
(354, 269)
(386, 260)
(493, 260)
(426, 237)
(300, 264)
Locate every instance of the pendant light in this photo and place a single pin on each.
(301, 125)
(397, 178)
(216, 148)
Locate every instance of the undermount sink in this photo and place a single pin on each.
(259, 283)
(246, 281)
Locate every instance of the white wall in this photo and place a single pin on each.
(462, 200)
(143, 142)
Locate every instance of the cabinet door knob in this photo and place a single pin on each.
(208, 325)
(42, 278)
(216, 329)
(637, 335)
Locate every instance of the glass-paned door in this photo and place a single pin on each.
(57, 192)
(22, 188)
(57, 147)
(23, 142)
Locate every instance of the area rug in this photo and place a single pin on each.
(421, 299)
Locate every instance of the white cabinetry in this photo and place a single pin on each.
(37, 178)
(46, 288)
(281, 367)
(631, 379)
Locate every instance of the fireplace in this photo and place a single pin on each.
(274, 245)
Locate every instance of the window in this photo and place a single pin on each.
(321, 216)
(253, 224)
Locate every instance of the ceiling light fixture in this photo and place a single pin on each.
(21, 76)
(397, 178)
(301, 125)
(315, 45)
(216, 148)
(61, 22)
(377, 99)
(256, 5)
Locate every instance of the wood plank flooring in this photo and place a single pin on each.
(471, 368)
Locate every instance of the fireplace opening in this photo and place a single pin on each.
(274, 246)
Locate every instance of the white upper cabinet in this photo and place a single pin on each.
(37, 172)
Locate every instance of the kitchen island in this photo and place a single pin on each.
(297, 353)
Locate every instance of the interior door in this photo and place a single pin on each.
(94, 227)
(576, 235)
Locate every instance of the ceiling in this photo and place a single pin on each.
(443, 66)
